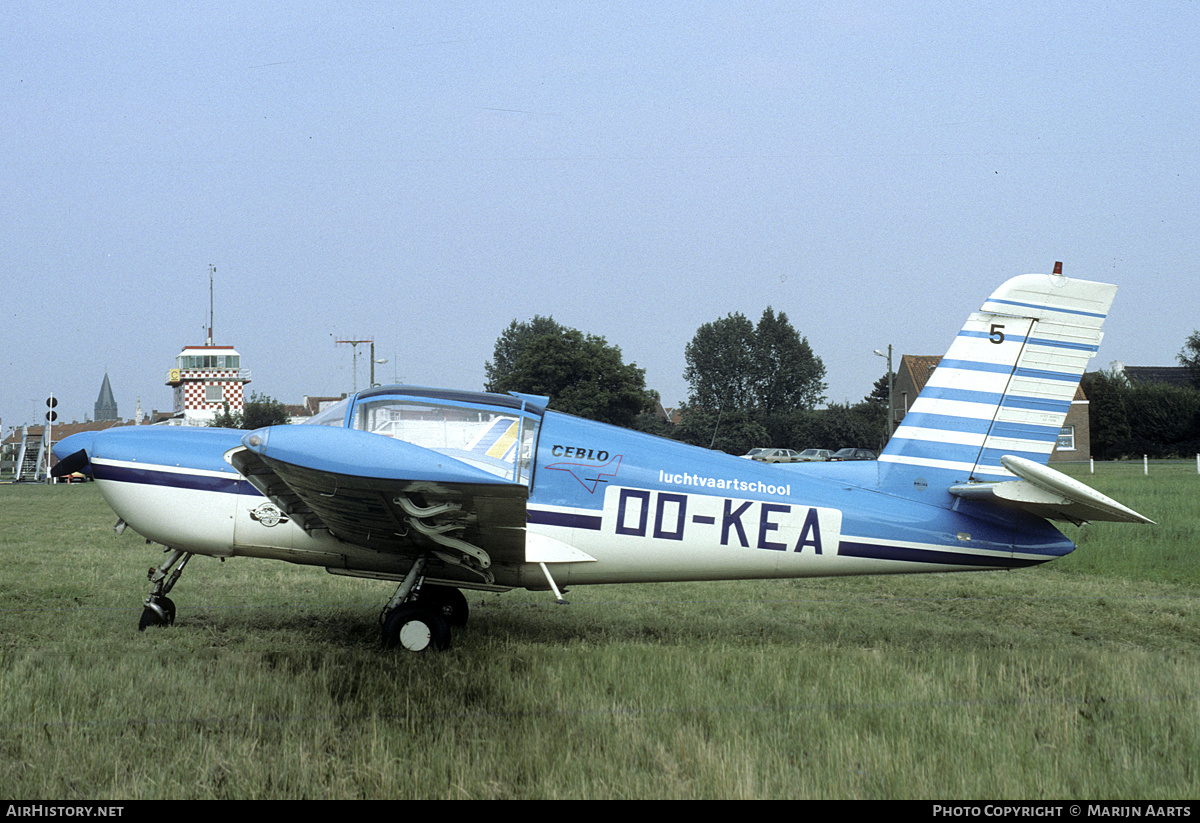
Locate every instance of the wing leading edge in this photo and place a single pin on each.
(387, 495)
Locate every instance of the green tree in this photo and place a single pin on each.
(734, 431)
(839, 426)
(1189, 356)
(260, 410)
(511, 343)
(582, 374)
(876, 405)
(763, 370)
(650, 421)
(225, 420)
(720, 367)
(1164, 421)
(787, 375)
(1108, 412)
(879, 393)
(1129, 420)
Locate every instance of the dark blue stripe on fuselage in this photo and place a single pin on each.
(874, 551)
(234, 484)
(570, 521)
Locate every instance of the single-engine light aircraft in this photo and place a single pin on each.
(446, 490)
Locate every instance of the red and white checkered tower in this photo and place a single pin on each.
(206, 378)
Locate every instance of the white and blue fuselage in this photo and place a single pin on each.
(475, 490)
(634, 507)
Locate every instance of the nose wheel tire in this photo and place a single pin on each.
(159, 611)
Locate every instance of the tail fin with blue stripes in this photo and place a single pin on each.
(1004, 387)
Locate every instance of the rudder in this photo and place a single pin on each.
(1005, 385)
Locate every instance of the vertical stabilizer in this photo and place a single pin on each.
(1004, 387)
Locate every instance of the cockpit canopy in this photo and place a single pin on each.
(493, 432)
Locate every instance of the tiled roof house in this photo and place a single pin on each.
(1074, 443)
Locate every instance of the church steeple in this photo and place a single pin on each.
(106, 404)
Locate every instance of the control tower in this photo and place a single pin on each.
(205, 378)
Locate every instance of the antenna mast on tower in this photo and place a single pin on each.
(212, 270)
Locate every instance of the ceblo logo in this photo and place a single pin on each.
(589, 475)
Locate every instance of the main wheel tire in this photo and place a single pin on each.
(416, 629)
(448, 602)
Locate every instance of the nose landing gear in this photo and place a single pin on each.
(157, 608)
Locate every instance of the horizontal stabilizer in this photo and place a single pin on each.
(1048, 493)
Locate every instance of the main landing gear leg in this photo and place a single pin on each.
(418, 623)
(158, 609)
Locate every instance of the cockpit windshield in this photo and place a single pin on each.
(496, 434)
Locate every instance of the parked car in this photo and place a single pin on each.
(852, 454)
(814, 456)
(772, 455)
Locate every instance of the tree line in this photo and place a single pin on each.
(760, 384)
(753, 385)
(750, 385)
(1155, 419)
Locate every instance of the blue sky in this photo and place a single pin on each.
(423, 174)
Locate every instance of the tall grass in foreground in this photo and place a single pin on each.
(1073, 680)
(1168, 551)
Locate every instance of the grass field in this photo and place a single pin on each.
(1075, 680)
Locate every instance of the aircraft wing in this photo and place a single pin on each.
(387, 494)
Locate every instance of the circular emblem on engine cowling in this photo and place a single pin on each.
(268, 514)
